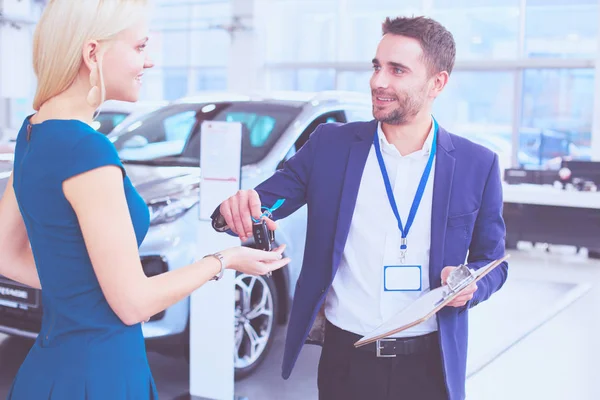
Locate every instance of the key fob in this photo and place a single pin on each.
(262, 236)
(218, 221)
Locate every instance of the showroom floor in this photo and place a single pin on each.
(535, 339)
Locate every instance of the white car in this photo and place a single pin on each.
(113, 113)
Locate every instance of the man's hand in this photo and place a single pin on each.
(465, 295)
(238, 211)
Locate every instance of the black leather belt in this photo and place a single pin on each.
(391, 347)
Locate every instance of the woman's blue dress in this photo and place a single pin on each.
(84, 351)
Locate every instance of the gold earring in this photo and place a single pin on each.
(93, 97)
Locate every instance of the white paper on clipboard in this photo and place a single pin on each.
(422, 309)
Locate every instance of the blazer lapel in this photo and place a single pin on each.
(355, 166)
(442, 188)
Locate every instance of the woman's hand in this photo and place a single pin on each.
(254, 262)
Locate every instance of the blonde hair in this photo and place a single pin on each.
(61, 33)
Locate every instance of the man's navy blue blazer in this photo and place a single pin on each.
(325, 175)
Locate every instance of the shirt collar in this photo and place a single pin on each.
(386, 146)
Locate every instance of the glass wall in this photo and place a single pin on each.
(523, 67)
(190, 54)
(482, 29)
(479, 106)
(557, 115)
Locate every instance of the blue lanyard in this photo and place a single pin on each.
(420, 189)
(268, 212)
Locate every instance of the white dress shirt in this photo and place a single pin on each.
(357, 301)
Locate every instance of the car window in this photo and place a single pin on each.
(159, 134)
(105, 122)
(259, 126)
(174, 131)
(335, 116)
(179, 126)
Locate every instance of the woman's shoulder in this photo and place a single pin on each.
(81, 147)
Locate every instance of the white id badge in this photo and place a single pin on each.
(402, 278)
(397, 276)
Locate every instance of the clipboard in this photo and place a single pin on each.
(430, 302)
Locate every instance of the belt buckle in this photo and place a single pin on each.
(379, 348)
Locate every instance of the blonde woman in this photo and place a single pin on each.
(72, 221)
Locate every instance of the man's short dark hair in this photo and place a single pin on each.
(439, 49)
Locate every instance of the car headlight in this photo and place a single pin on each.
(170, 208)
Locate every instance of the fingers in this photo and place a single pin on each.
(265, 268)
(254, 203)
(275, 265)
(245, 217)
(236, 222)
(280, 249)
(238, 211)
(445, 272)
(269, 256)
(272, 225)
(464, 297)
(266, 256)
(225, 211)
(472, 288)
(460, 301)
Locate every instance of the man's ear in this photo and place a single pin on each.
(439, 83)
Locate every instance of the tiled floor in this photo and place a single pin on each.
(535, 339)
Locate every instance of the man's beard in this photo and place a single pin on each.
(407, 110)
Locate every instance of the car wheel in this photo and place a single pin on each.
(255, 321)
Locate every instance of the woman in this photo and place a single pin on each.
(72, 221)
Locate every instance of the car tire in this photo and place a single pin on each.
(254, 318)
(244, 368)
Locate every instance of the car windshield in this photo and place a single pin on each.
(171, 135)
(106, 121)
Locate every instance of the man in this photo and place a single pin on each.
(393, 206)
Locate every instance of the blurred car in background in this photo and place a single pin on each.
(110, 115)
(161, 153)
(113, 112)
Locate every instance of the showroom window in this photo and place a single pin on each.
(191, 54)
(557, 115)
(360, 25)
(301, 31)
(175, 83)
(561, 28)
(309, 80)
(481, 28)
(505, 49)
(211, 79)
(479, 105)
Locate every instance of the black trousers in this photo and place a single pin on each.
(347, 373)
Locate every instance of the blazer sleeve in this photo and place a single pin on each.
(292, 181)
(488, 239)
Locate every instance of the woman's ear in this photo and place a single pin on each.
(90, 54)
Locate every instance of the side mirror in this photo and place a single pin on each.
(135, 142)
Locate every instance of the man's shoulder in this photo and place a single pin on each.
(470, 149)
